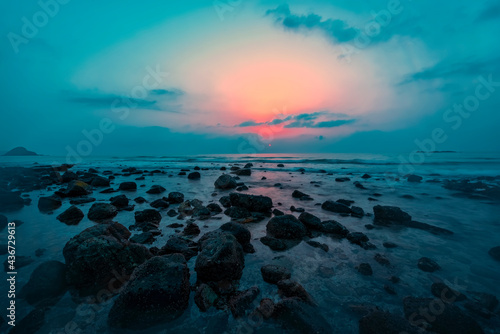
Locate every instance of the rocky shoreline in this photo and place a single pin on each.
(150, 280)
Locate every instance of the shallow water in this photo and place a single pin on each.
(463, 256)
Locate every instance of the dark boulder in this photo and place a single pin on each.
(243, 172)
(225, 181)
(120, 201)
(128, 186)
(335, 207)
(365, 269)
(237, 212)
(194, 176)
(445, 293)
(71, 216)
(46, 284)
(240, 232)
(214, 208)
(220, 259)
(205, 297)
(191, 229)
(290, 288)
(161, 203)
(414, 178)
(334, 227)
(99, 181)
(143, 238)
(428, 265)
(273, 243)
(101, 212)
(495, 253)
(241, 301)
(148, 216)
(358, 212)
(386, 215)
(225, 201)
(175, 197)
(286, 227)
(300, 195)
(156, 189)
(157, 292)
(310, 221)
(295, 315)
(274, 273)
(177, 244)
(251, 202)
(76, 188)
(49, 204)
(380, 322)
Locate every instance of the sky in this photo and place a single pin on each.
(113, 77)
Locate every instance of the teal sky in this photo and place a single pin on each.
(198, 77)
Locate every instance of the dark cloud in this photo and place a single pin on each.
(325, 124)
(173, 93)
(305, 120)
(336, 30)
(248, 123)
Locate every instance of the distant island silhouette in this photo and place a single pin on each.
(20, 152)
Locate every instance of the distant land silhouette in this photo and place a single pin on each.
(19, 152)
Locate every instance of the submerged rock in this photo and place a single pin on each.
(286, 227)
(428, 265)
(335, 207)
(295, 315)
(157, 292)
(240, 302)
(156, 189)
(48, 204)
(46, 285)
(273, 273)
(495, 253)
(225, 181)
(72, 216)
(251, 202)
(310, 221)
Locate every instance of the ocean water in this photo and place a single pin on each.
(463, 256)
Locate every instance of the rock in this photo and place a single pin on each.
(389, 244)
(177, 244)
(99, 255)
(289, 288)
(194, 176)
(483, 300)
(449, 320)
(225, 181)
(300, 317)
(225, 201)
(161, 203)
(99, 181)
(10, 201)
(71, 216)
(380, 322)
(366, 176)
(280, 165)
(493, 252)
(286, 227)
(31, 323)
(345, 202)
(191, 229)
(240, 232)
(335, 207)
(360, 239)
(334, 227)
(49, 204)
(428, 265)
(414, 178)
(342, 179)
(273, 243)
(273, 273)
(390, 290)
(445, 293)
(82, 200)
(140, 200)
(319, 245)
(172, 213)
(68, 176)
(251, 202)
(46, 284)
(157, 292)
(175, 197)
(205, 297)
(358, 212)
(381, 259)
(156, 189)
(359, 185)
(300, 195)
(221, 258)
(241, 301)
(236, 212)
(148, 216)
(128, 186)
(143, 238)
(214, 208)
(277, 212)
(365, 269)
(243, 172)
(102, 211)
(386, 215)
(120, 201)
(294, 209)
(426, 227)
(76, 188)
(310, 221)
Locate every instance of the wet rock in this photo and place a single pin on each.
(46, 285)
(240, 232)
(335, 207)
(345, 202)
(241, 301)
(358, 212)
(214, 208)
(300, 195)
(286, 227)
(140, 200)
(49, 204)
(99, 181)
(120, 201)
(310, 221)
(387, 215)
(237, 212)
(429, 228)
(484, 302)
(365, 269)
(68, 176)
(172, 213)
(194, 176)
(366, 176)
(301, 317)
(191, 229)
(205, 297)
(176, 197)
(414, 178)
(243, 172)
(277, 212)
(280, 165)
(389, 244)
(221, 258)
(177, 244)
(273, 243)
(128, 186)
(334, 227)
(157, 292)
(225, 201)
(273, 273)
(380, 322)
(156, 189)
(290, 288)
(495, 253)
(108, 191)
(390, 290)
(294, 209)
(251, 202)
(449, 320)
(161, 203)
(225, 181)
(381, 259)
(75, 188)
(143, 238)
(101, 212)
(82, 200)
(359, 185)
(445, 293)
(148, 216)
(319, 245)
(342, 179)
(72, 216)
(428, 265)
